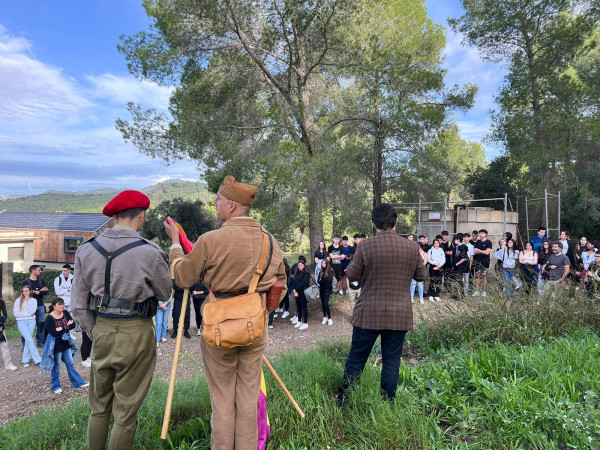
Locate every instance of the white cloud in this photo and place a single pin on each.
(31, 89)
(121, 90)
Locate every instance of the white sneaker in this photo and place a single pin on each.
(165, 339)
(26, 365)
(73, 336)
(83, 385)
(324, 321)
(285, 314)
(270, 326)
(412, 300)
(279, 310)
(341, 292)
(431, 299)
(484, 294)
(58, 391)
(330, 322)
(87, 363)
(421, 301)
(437, 299)
(198, 333)
(11, 367)
(294, 319)
(304, 326)
(298, 325)
(156, 344)
(476, 294)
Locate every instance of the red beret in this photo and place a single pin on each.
(126, 200)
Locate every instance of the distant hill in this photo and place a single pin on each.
(94, 200)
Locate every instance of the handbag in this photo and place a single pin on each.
(238, 321)
(311, 293)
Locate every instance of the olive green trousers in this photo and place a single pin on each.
(123, 361)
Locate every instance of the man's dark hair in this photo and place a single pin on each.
(445, 233)
(130, 213)
(421, 236)
(67, 266)
(363, 236)
(384, 216)
(439, 237)
(542, 228)
(356, 236)
(483, 230)
(458, 236)
(344, 238)
(33, 267)
(336, 236)
(558, 243)
(474, 232)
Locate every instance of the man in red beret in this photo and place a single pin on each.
(226, 260)
(119, 279)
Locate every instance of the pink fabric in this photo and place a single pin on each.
(261, 419)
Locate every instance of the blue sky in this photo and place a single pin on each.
(63, 84)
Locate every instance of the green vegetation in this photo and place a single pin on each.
(48, 275)
(496, 387)
(95, 200)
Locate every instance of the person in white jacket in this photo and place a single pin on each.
(63, 284)
(24, 311)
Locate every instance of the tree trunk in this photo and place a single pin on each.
(378, 178)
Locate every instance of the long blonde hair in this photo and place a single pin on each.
(23, 296)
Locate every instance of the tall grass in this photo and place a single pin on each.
(527, 376)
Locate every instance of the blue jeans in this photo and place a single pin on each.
(29, 350)
(162, 321)
(509, 291)
(392, 342)
(413, 285)
(40, 335)
(67, 358)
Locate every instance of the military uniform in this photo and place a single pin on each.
(124, 343)
(226, 260)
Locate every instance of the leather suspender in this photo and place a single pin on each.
(109, 256)
(259, 273)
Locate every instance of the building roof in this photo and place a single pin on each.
(53, 221)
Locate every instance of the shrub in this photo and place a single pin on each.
(47, 274)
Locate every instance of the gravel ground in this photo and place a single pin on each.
(27, 390)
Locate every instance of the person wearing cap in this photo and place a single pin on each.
(226, 260)
(118, 316)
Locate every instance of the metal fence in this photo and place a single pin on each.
(538, 212)
(457, 216)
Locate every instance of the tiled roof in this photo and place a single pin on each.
(53, 221)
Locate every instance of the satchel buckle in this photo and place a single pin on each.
(250, 326)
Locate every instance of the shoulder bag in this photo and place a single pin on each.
(238, 321)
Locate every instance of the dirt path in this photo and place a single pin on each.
(27, 390)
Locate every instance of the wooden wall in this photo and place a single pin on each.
(51, 246)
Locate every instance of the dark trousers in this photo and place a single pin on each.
(302, 307)
(363, 340)
(435, 282)
(177, 313)
(529, 277)
(325, 295)
(40, 319)
(285, 303)
(86, 346)
(197, 309)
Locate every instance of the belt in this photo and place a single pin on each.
(132, 305)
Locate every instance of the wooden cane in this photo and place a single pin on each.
(165, 426)
(270, 367)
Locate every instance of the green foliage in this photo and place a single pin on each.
(48, 275)
(194, 217)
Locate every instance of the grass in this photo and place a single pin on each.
(527, 376)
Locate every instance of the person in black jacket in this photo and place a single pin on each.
(301, 281)
(8, 364)
(199, 294)
(58, 323)
(325, 289)
(177, 304)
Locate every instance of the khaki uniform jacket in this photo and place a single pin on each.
(226, 259)
(137, 274)
(386, 264)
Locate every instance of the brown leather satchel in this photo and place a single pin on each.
(238, 321)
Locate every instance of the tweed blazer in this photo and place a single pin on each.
(385, 264)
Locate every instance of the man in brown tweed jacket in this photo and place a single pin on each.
(385, 264)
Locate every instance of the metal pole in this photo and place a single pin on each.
(558, 232)
(527, 219)
(445, 211)
(546, 204)
(505, 211)
(419, 222)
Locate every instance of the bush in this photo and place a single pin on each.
(47, 274)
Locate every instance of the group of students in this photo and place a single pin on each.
(329, 276)
(541, 263)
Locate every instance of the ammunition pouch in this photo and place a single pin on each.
(147, 308)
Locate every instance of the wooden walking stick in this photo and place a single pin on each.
(270, 367)
(165, 426)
